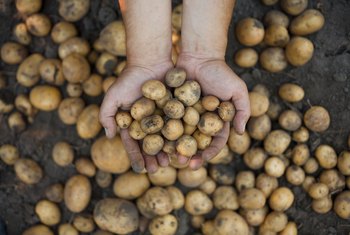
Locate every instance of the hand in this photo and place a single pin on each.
(120, 96)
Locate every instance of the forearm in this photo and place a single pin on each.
(205, 27)
(148, 31)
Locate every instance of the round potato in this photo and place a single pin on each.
(276, 36)
(295, 175)
(76, 68)
(274, 166)
(152, 144)
(301, 135)
(39, 25)
(38, 229)
(197, 221)
(322, 205)
(291, 92)
(210, 102)
(254, 217)
(273, 59)
(250, 31)
(161, 102)
(173, 129)
(326, 156)
(191, 116)
(228, 222)
(317, 119)
(226, 111)
(225, 197)
(299, 51)
(130, 185)
(28, 171)
(155, 201)
(318, 190)
(174, 109)
(74, 89)
(342, 205)
(54, 193)
(276, 142)
(186, 145)
(309, 180)
(259, 127)
(198, 203)
(85, 167)
(311, 166)
(152, 124)
(113, 39)
(310, 21)
(294, 7)
(67, 229)
(88, 124)
(275, 221)
(135, 131)
(238, 143)
(208, 186)
(123, 119)
(190, 178)
(74, 45)
(9, 154)
(275, 17)
(164, 176)
(62, 154)
(251, 198)
(142, 108)
(106, 63)
(261, 89)
(300, 154)
(176, 196)
(77, 193)
(63, 31)
(13, 53)
(16, 122)
(281, 199)
(84, 223)
(28, 71)
(45, 97)
(107, 83)
(175, 77)
(188, 93)
(51, 71)
(244, 180)
(290, 229)
(259, 104)
(153, 89)
(203, 140)
(222, 174)
(266, 183)
(163, 225)
(70, 109)
(333, 179)
(290, 120)
(28, 7)
(22, 34)
(210, 124)
(255, 158)
(342, 164)
(48, 212)
(73, 10)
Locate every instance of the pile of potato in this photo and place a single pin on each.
(279, 39)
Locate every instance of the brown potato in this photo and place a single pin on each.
(226, 111)
(210, 124)
(322, 205)
(244, 180)
(251, 198)
(275, 221)
(203, 140)
(74, 45)
(259, 104)
(225, 156)
(274, 110)
(276, 142)
(85, 167)
(188, 93)
(222, 174)
(290, 120)
(84, 223)
(259, 127)
(164, 176)
(311, 166)
(120, 67)
(317, 119)
(197, 221)
(290, 229)
(225, 197)
(77, 193)
(106, 63)
(318, 190)
(74, 90)
(142, 108)
(28, 171)
(45, 97)
(16, 122)
(28, 71)
(175, 77)
(326, 156)
(254, 217)
(246, 57)
(73, 10)
(255, 158)
(198, 203)
(309, 180)
(51, 71)
(54, 193)
(153, 89)
(299, 51)
(228, 222)
(130, 185)
(38, 229)
(63, 31)
(250, 31)
(38, 24)
(191, 116)
(173, 129)
(281, 199)
(13, 53)
(273, 59)
(174, 109)
(113, 39)
(135, 131)
(76, 69)
(176, 197)
(161, 102)
(152, 144)
(294, 7)
(189, 130)
(163, 225)
(210, 102)
(342, 205)
(155, 201)
(333, 179)
(310, 21)
(108, 82)
(301, 135)
(208, 186)
(28, 7)
(186, 145)
(62, 154)
(275, 17)
(199, 107)
(295, 175)
(67, 229)
(48, 212)
(191, 178)
(123, 119)
(342, 164)
(22, 103)
(152, 124)
(274, 166)
(9, 154)
(291, 92)
(103, 179)
(276, 36)
(238, 143)
(70, 109)
(88, 125)
(300, 154)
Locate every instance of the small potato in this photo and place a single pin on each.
(120, 67)
(246, 57)
(295, 175)
(107, 83)
(290, 120)
(208, 228)
(269, 2)
(251, 198)
(274, 110)
(84, 223)
(106, 63)
(255, 158)
(274, 166)
(48, 212)
(189, 130)
(173, 129)
(142, 108)
(13, 53)
(318, 190)
(225, 197)
(176, 196)
(275, 17)
(322, 205)
(9, 154)
(311, 166)
(250, 31)
(38, 24)
(238, 143)
(244, 180)
(317, 119)
(74, 90)
(54, 193)
(333, 179)
(16, 122)
(22, 34)
(273, 59)
(28, 7)
(309, 180)
(77, 193)
(281, 199)
(162, 102)
(222, 174)
(197, 221)
(300, 154)
(38, 229)
(176, 17)
(294, 7)
(326, 156)
(152, 124)
(199, 107)
(210, 102)
(130, 185)
(228, 222)
(51, 71)
(291, 92)
(276, 142)
(103, 179)
(175, 77)
(76, 68)
(28, 171)
(259, 104)
(135, 131)
(190, 178)
(198, 203)
(254, 217)
(343, 163)
(74, 45)
(70, 109)
(290, 229)
(67, 229)
(63, 31)
(45, 97)
(203, 141)
(73, 10)
(208, 186)
(226, 111)
(310, 21)
(163, 225)
(259, 127)
(155, 201)
(225, 156)
(186, 145)
(210, 124)
(275, 221)
(164, 176)
(152, 144)
(174, 109)
(299, 51)
(261, 89)
(62, 154)
(123, 119)
(188, 93)
(276, 36)
(85, 167)
(191, 116)
(153, 89)
(113, 39)
(301, 135)
(28, 71)
(88, 125)
(342, 205)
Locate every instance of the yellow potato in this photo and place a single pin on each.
(51, 71)
(274, 166)
(13, 53)
(281, 199)
(342, 205)
(251, 198)
(203, 140)
(106, 63)
(67, 229)
(275, 221)
(326, 156)
(77, 193)
(244, 180)
(73, 10)
(48, 212)
(54, 193)
(28, 171)
(225, 156)
(142, 108)
(38, 24)
(311, 166)
(9, 154)
(295, 175)
(210, 102)
(174, 109)
(246, 57)
(259, 127)
(175, 77)
(318, 190)
(191, 116)
(322, 205)
(210, 124)
(76, 68)
(225, 197)
(290, 120)
(198, 203)
(301, 135)
(254, 158)
(186, 145)
(333, 179)
(22, 34)
(290, 229)
(276, 142)
(85, 167)
(153, 89)
(63, 31)
(228, 222)
(276, 36)
(28, 71)
(291, 92)
(310, 21)
(238, 143)
(299, 51)
(135, 131)
(152, 144)
(188, 93)
(259, 104)
(113, 38)
(342, 164)
(155, 201)
(317, 119)
(208, 186)
(226, 111)
(300, 154)
(273, 59)
(62, 154)
(294, 7)
(88, 125)
(74, 89)
(84, 223)
(254, 217)
(38, 229)
(103, 179)
(28, 7)
(190, 178)
(70, 109)
(163, 225)
(176, 197)
(275, 17)
(173, 129)
(45, 97)
(16, 122)
(250, 31)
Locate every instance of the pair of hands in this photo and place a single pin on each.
(215, 77)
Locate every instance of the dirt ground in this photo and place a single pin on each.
(326, 80)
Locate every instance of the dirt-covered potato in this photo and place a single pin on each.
(74, 45)
(38, 229)
(70, 109)
(16, 122)
(74, 89)
(62, 31)
(106, 152)
(88, 125)
(274, 166)
(210, 124)
(54, 192)
(225, 197)
(76, 68)
(135, 131)
(226, 111)
(273, 59)
(189, 130)
(38, 24)
(342, 205)
(130, 185)
(105, 212)
(174, 109)
(254, 217)
(45, 97)
(269, 2)
(48, 212)
(251, 198)
(161, 102)
(295, 175)
(51, 71)
(62, 154)
(155, 201)
(164, 176)
(333, 179)
(103, 179)
(225, 156)
(84, 223)
(176, 196)
(198, 203)
(112, 38)
(255, 158)
(123, 119)
(343, 163)
(108, 82)
(13, 53)
(85, 167)
(299, 51)
(210, 102)
(322, 205)
(203, 140)
(208, 186)
(274, 110)
(259, 104)
(246, 57)
(28, 71)
(228, 222)
(9, 154)
(301, 135)
(276, 142)
(311, 166)
(28, 7)
(191, 178)
(317, 119)
(275, 17)
(238, 143)
(291, 92)
(152, 144)
(326, 156)
(294, 7)
(186, 145)
(67, 229)
(310, 21)
(173, 129)
(152, 124)
(244, 180)
(250, 31)
(318, 190)
(197, 221)
(276, 36)
(142, 108)
(77, 193)
(275, 221)
(28, 171)
(175, 77)
(300, 154)
(163, 225)
(73, 10)
(259, 127)
(106, 63)
(188, 93)
(153, 89)
(281, 199)
(290, 120)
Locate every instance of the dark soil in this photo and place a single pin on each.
(326, 80)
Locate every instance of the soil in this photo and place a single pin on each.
(326, 80)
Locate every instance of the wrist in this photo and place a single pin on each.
(153, 70)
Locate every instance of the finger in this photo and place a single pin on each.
(163, 159)
(241, 102)
(133, 150)
(217, 143)
(151, 163)
(182, 159)
(108, 110)
(196, 162)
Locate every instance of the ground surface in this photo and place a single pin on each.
(326, 80)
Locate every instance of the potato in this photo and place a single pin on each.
(188, 93)
(259, 104)
(74, 90)
(246, 57)
(276, 36)
(300, 154)
(225, 197)
(301, 135)
(105, 212)
(22, 103)
(326, 156)
(152, 124)
(275, 17)
(76, 68)
(176, 197)
(28, 71)
(164, 176)
(318, 190)
(28, 171)
(189, 130)
(155, 201)
(317, 119)
(294, 7)
(28, 7)
(228, 222)
(67, 229)
(161, 102)
(259, 127)
(274, 166)
(244, 180)
(120, 67)
(77, 193)
(310, 21)
(51, 71)
(163, 225)
(107, 83)
(174, 109)
(45, 97)
(62, 31)
(74, 45)
(198, 203)
(175, 77)
(225, 156)
(153, 89)
(295, 175)
(16, 122)
(38, 229)
(84, 223)
(275, 221)
(135, 131)
(13, 53)
(342, 164)
(210, 124)
(322, 205)
(142, 108)
(186, 145)
(73, 10)
(152, 144)
(210, 102)
(203, 141)
(254, 217)
(208, 186)
(254, 158)
(299, 51)
(112, 38)
(333, 179)
(191, 116)
(123, 119)
(250, 31)
(309, 180)
(38, 24)
(208, 228)
(276, 142)
(290, 120)
(290, 229)
(93, 85)
(281, 199)
(106, 63)
(62, 154)
(130, 185)
(48, 212)
(106, 152)
(273, 59)
(197, 221)
(54, 193)
(291, 92)
(103, 179)
(342, 205)
(269, 2)
(173, 129)
(251, 198)
(9, 154)
(274, 110)
(190, 178)
(311, 166)
(226, 111)
(85, 167)
(176, 17)
(88, 125)
(238, 143)
(70, 109)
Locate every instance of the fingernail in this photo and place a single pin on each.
(137, 168)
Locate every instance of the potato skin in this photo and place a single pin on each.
(246, 57)
(153, 89)
(310, 21)
(259, 104)
(152, 144)
(88, 125)
(73, 10)
(343, 162)
(273, 59)
(175, 77)
(173, 129)
(155, 201)
(77, 193)
(163, 225)
(186, 145)
(276, 142)
(51, 71)
(250, 31)
(198, 203)
(48, 212)
(174, 109)
(275, 17)
(28, 71)
(38, 24)
(9, 154)
(276, 36)
(290, 120)
(342, 205)
(291, 92)
(317, 119)
(152, 124)
(142, 108)
(226, 111)
(188, 93)
(210, 124)
(13, 53)
(259, 127)
(28, 7)
(63, 31)
(75, 67)
(299, 51)
(22, 34)
(238, 143)
(113, 38)
(228, 222)
(74, 45)
(190, 178)
(38, 229)
(70, 109)
(45, 97)
(28, 171)
(281, 199)
(251, 198)
(294, 7)
(130, 185)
